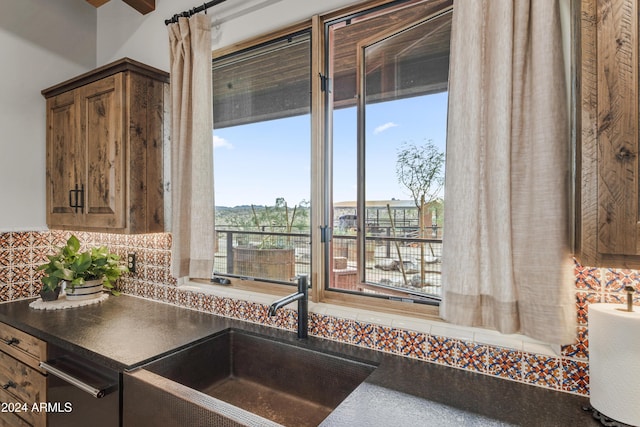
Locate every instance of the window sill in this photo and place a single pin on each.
(431, 327)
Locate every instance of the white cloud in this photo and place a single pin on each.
(384, 127)
(221, 143)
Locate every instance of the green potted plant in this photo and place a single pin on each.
(84, 273)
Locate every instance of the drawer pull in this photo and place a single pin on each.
(10, 341)
(9, 384)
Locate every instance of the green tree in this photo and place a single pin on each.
(280, 218)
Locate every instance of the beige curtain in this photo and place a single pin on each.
(506, 255)
(191, 147)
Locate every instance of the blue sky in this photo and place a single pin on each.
(256, 163)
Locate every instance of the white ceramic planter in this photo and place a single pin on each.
(91, 289)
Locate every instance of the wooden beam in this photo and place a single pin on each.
(97, 3)
(142, 6)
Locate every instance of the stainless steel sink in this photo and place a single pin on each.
(253, 376)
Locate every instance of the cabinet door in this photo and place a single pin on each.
(103, 137)
(608, 231)
(65, 160)
(618, 215)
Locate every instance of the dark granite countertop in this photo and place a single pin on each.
(127, 332)
(121, 333)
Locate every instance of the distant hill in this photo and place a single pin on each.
(270, 218)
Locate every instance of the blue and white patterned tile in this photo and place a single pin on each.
(473, 356)
(544, 371)
(504, 363)
(387, 339)
(412, 344)
(364, 335)
(575, 376)
(442, 350)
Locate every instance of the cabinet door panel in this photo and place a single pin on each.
(146, 115)
(102, 131)
(65, 161)
(618, 216)
(608, 201)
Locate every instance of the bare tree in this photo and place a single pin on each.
(420, 169)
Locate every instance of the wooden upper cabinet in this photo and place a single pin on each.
(105, 137)
(608, 232)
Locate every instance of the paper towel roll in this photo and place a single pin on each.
(614, 361)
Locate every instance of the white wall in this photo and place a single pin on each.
(42, 43)
(124, 32)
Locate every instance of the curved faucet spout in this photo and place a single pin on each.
(284, 301)
(302, 296)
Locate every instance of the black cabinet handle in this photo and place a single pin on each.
(10, 341)
(80, 203)
(76, 198)
(9, 384)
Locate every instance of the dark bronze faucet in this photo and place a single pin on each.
(302, 296)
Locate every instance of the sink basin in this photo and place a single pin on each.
(277, 381)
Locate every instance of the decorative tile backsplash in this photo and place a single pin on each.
(22, 252)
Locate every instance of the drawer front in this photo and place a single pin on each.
(24, 383)
(12, 420)
(22, 346)
(16, 414)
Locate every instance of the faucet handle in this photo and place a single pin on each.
(299, 277)
(303, 283)
(630, 291)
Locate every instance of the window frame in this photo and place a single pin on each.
(327, 294)
(266, 286)
(320, 164)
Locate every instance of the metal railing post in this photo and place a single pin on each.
(230, 252)
(388, 244)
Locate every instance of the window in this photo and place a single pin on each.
(261, 137)
(377, 229)
(387, 102)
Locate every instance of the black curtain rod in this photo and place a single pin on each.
(191, 12)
